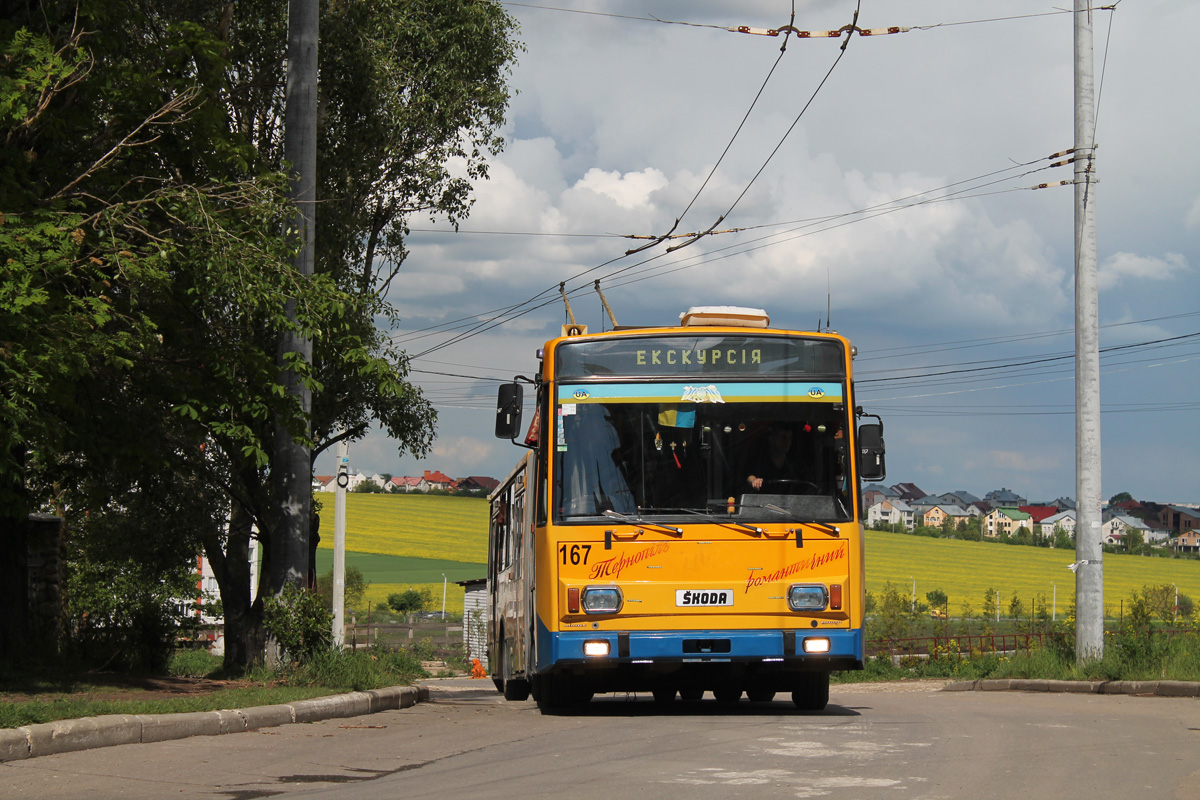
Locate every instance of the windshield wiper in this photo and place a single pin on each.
(639, 521)
(821, 526)
(727, 523)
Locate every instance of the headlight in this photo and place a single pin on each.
(601, 600)
(803, 597)
(596, 648)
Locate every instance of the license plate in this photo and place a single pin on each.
(704, 597)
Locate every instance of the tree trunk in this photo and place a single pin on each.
(245, 636)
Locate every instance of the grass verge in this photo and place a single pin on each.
(196, 684)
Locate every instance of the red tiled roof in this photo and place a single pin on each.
(1039, 513)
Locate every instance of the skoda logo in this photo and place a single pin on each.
(581, 394)
(816, 391)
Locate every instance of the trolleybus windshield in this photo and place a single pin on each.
(745, 427)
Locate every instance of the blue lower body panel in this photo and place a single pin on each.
(659, 651)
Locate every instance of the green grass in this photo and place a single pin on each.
(16, 710)
(30, 699)
(965, 570)
(393, 574)
(403, 570)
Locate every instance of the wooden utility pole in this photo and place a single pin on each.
(1089, 569)
(292, 465)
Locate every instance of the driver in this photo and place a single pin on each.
(774, 461)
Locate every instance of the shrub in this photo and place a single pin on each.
(298, 621)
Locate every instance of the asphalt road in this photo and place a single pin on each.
(895, 741)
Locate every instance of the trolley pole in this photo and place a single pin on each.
(1089, 572)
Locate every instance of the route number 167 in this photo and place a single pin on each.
(574, 554)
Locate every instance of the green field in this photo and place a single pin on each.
(408, 541)
(402, 541)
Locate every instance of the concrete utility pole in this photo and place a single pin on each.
(292, 466)
(1089, 572)
(339, 544)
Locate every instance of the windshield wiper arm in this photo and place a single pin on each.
(729, 523)
(821, 526)
(639, 521)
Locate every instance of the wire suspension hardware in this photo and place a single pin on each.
(563, 291)
(819, 34)
(612, 317)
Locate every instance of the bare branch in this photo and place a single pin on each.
(177, 106)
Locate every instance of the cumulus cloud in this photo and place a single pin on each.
(631, 190)
(1121, 268)
(463, 454)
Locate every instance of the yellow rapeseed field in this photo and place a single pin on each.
(415, 525)
(965, 570)
(455, 529)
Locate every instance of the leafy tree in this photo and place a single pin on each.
(144, 262)
(1016, 607)
(1135, 541)
(991, 604)
(410, 600)
(298, 621)
(893, 612)
(1120, 497)
(937, 599)
(353, 590)
(1062, 539)
(973, 530)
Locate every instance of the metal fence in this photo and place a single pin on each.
(442, 635)
(966, 644)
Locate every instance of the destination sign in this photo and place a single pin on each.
(691, 356)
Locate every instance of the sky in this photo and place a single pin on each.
(890, 182)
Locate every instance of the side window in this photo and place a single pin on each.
(517, 537)
(501, 532)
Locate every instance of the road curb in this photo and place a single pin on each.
(64, 736)
(1138, 688)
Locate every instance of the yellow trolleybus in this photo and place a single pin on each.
(686, 516)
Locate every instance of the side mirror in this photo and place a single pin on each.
(508, 410)
(870, 452)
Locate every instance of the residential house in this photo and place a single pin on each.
(1039, 513)
(438, 481)
(1116, 527)
(404, 483)
(936, 516)
(874, 492)
(1005, 498)
(477, 483)
(1157, 537)
(1130, 508)
(908, 491)
(1005, 520)
(893, 512)
(324, 483)
(1063, 519)
(1179, 519)
(1187, 542)
(960, 497)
